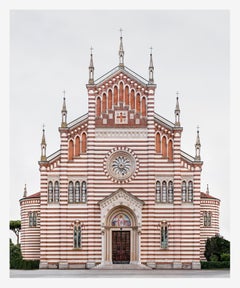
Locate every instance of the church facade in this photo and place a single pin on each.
(119, 189)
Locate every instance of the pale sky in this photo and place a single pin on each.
(49, 53)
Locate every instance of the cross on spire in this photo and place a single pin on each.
(64, 92)
(151, 49)
(120, 32)
(91, 48)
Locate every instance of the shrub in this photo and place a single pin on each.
(215, 264)
(225, 257)
(215, 247)
(16, 260)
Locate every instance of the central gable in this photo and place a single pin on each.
(121, 100)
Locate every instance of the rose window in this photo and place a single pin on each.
(120, 165)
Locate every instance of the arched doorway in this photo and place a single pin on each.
(121, 220)
(121, 237)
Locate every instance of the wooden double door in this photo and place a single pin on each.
(120, 247)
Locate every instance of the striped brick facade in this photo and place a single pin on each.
(120, 149)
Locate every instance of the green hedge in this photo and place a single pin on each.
(17, 262)
(215, 264)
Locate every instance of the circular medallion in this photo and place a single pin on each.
(121, 165)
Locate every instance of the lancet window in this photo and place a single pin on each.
(77, 192)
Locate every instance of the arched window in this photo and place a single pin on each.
(77, 146)
(110, 99)
(30, 219)
(164, 235)
(34, 219)
(84, 191)
(77, 192)
(170, 150)
(158, 143)
(50, 192)
(70, 150)
(158, 191)
(170, 191)
(56, 191)
(77, 236)
(98, 107)
(207, 219)
(164, 146)
(144, 110)
(132, 100)
(127, 95)
(138, 103)
(184, 191)
(70, 192)
(104, 103)
(164, 191)
(115, 95)
(190, 191)
(121, 92)
(84, 142)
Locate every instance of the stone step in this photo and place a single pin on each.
(121, 267)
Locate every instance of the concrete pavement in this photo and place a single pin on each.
(120, 273)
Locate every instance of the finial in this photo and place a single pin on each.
(177, 111)
(43, 145)
(64, 112)
(25, 191)
(207, 190)
(121, 51)
(151, 68)
(120, 32)
(197, 146)
(91, 68)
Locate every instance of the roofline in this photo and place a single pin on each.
(77, 120)
(164, 120)
(124, 69)
(207, 196)
(35, 195)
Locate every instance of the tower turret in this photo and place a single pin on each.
(177, 112)
(207, 190)
(121, 51)
(64, 112)
(91, 69)
(151, 69)
(197, 147)
(43, 146)
(25, 191)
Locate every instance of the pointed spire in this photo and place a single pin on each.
(207, 190)
(91, 69)
(43, 146)
(121, 51)
(177, 112)
(25, 191)
(64, 112)
(151, 69)
(197, 146)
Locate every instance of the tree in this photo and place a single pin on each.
(216, 248)
(15, 226)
